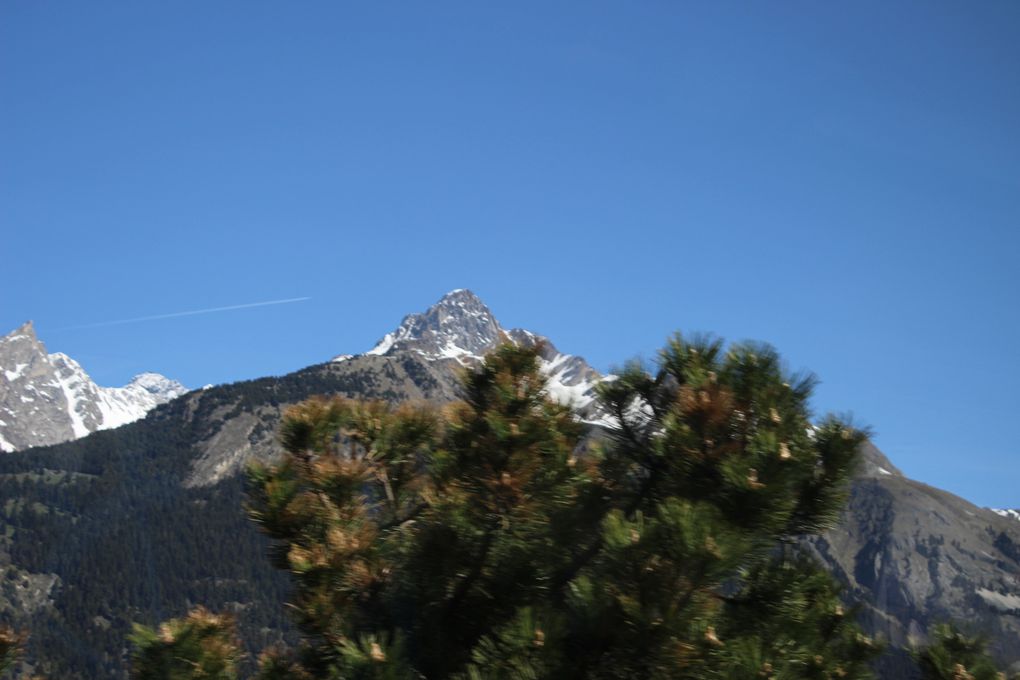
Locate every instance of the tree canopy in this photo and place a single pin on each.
(954, 655)
(200, 645)
(497, 538)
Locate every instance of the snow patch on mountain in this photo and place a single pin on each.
(16, 373)
(1008, 512)
(79, 392)
(383, 346)
(562, 388)
(1004, 602)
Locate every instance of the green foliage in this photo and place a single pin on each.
(492, 540)
(200, 645)
(11, 648)
(953, 655)
(787, 621)
(397, 522)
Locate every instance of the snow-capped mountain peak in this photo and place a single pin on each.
(121, 405)
(462, 328)
(156, 384)
(49, 398)
(459, 327)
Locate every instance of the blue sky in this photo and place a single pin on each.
(839, 179)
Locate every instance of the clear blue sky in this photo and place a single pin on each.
(839, 179)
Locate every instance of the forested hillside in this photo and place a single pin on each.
(104, 532)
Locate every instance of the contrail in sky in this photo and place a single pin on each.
(188, 313)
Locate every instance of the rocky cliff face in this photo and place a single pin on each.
(49, 398)
(913, 556)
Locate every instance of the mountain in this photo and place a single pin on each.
(460, 328)
(912, 556)
(49, 398)
(138, 523)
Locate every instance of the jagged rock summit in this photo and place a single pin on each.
(460, 327)
(49, 398)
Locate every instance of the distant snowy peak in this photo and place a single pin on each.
(461, 327)
(146, 391)
(49, 398)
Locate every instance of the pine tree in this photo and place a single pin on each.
(492, 540)
(200, 645)
(12, 646)
(412, 533)
(952, 655)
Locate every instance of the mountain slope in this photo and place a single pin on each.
(914, 556)
(49, 398)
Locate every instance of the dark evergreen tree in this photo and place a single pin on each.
(12, 646)
(952, 655)
(200, 645)
(489, 540)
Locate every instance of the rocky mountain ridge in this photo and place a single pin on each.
(49, 398)
(461, 328)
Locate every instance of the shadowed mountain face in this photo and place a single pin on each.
(138, 523)
(913, 556)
